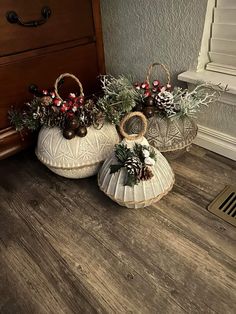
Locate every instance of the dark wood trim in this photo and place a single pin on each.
(12, 142)
(99, 36)
(45, 50)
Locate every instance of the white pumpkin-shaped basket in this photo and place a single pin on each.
(145, 192)
(79, 157)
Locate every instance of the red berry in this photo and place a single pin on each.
(52, 94)
(64, 107)
(162, 88)
(57, 102)
(74, 108)
(45, 92)
(147, 93)
(137, 85)
(168, 86)
(70, 114)
(145, 85)
(72, 95)
(81, 99)
(156, 83)
(69, 103)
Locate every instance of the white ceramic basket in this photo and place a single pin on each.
(79, 157)
(145, 192)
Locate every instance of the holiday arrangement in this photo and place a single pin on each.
(78, 136)
(170, 110)
(73, 139)
(135, 174)
(72, 115)
(167, 101)
(122, 96)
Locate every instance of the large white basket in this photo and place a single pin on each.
(79, 157)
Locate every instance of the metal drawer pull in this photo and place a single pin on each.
(13, 18)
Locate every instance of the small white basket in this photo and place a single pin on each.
(145, 192)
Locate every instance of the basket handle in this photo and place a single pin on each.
(71, 76)
(164, 67)
(126, 118)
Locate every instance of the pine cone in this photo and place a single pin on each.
(165, 102)
(146, 173)
(46, 100)
(133, 166)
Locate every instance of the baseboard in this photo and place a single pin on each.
(216, 141)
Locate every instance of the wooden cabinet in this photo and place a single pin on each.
(70, 40)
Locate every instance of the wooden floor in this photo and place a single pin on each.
(66, 248)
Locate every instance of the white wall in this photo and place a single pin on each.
(138, 32)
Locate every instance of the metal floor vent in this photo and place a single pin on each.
(224, 205)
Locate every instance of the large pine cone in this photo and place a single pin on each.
(133, 165)
(164, 101)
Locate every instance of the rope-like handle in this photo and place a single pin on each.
(164, 67)
(126, 118)
(67, 75)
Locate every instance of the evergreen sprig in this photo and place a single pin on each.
(34, 115)
(119, 97)
(122, 152)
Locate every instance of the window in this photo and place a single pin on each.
(222, 47)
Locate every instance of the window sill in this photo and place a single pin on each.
(215, 78)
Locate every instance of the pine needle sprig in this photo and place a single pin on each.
(119, 97)
(122, 152)
(16, 119)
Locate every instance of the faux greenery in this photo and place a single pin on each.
(164, 101)
(49, 111)
(137, 162)
(119, 97)
(190, 102)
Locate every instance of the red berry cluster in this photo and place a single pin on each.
(152, 89)
(69, 106)
(150, 93)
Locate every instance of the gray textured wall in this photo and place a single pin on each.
(219, 116)
(138, 32)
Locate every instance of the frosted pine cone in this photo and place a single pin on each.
(165, 101)
(133, 165)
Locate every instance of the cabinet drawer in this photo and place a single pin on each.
(43, 71)
(70, 20)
